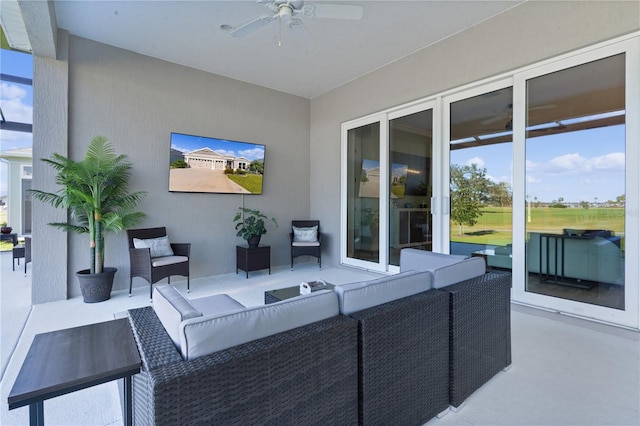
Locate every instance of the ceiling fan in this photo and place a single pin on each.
(289, 13)
(507, 114)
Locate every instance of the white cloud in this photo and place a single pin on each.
(477, 161)
(252, 154)
(13, 106)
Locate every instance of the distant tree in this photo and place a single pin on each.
(584, 204)
(467, 194)
(621, 200)
(179, 164)
(257, 166)
(500, 194)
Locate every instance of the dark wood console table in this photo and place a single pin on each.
(253, 258)
(65, 361)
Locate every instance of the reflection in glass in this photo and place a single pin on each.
(410, 148)
(575, 153)
(480, 177)
(363, 192)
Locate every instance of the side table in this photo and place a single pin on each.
(253, 258)
(64, 361)
(13, 237)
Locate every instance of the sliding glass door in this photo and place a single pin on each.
(577, 150)
(387, 161)
(536, 172)
(480, 174)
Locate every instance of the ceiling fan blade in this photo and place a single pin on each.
(493, 119)
(251, 26)
(333, 11)
(300, 36)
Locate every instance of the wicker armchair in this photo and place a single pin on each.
(155, 269)
(306, 248)
(480, 332)
(404, 360)
(304, 376)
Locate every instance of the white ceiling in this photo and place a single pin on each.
(188, 33)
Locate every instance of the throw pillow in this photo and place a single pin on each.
(159, 247)
(305, 234)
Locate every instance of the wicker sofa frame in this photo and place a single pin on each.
(479, 333)
(308, 375)
(404, 360)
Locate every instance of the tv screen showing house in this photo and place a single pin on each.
(202, 164)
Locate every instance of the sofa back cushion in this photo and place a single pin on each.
(457, 272)
(357, 296)
(422, 260)
(214, 332)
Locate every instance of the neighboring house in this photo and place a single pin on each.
(20, 170)
(209, 159)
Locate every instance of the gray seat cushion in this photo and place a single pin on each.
(355, 297)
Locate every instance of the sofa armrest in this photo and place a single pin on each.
(480, 332)
(404, 359)
(154, 344)
(308, 375)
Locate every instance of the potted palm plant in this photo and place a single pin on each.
(95, 191)
(250, 225)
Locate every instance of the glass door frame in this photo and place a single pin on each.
(628, 316)
(383, 119)
(444, 201)
(440, 207)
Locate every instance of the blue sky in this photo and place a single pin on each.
(17, 105)
(577, 166)
(186, 143)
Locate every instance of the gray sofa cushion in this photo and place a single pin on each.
(446, 269)
(172, 308)
(215, 332)
(422, 260)
(457, 272)
(355, 297)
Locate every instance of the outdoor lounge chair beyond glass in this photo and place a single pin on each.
(306, 239)
(153, 258)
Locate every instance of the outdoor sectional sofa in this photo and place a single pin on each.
(395, 350)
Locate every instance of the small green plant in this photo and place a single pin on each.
(251, 223)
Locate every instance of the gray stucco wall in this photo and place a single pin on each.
(136, 102)
(529, 33)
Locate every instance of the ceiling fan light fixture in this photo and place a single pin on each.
(285, 12)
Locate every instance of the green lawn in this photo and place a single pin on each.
(495, 224)
(250, 182)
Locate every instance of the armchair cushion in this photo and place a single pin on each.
(168, 260)
(159, 247)
(309, 234)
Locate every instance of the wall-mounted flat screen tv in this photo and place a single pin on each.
(202, 164)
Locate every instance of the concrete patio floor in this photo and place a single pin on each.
(566, 371)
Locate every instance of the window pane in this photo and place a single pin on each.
(363, 192)
(480, 184)
(575, 152)
(410, 148)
